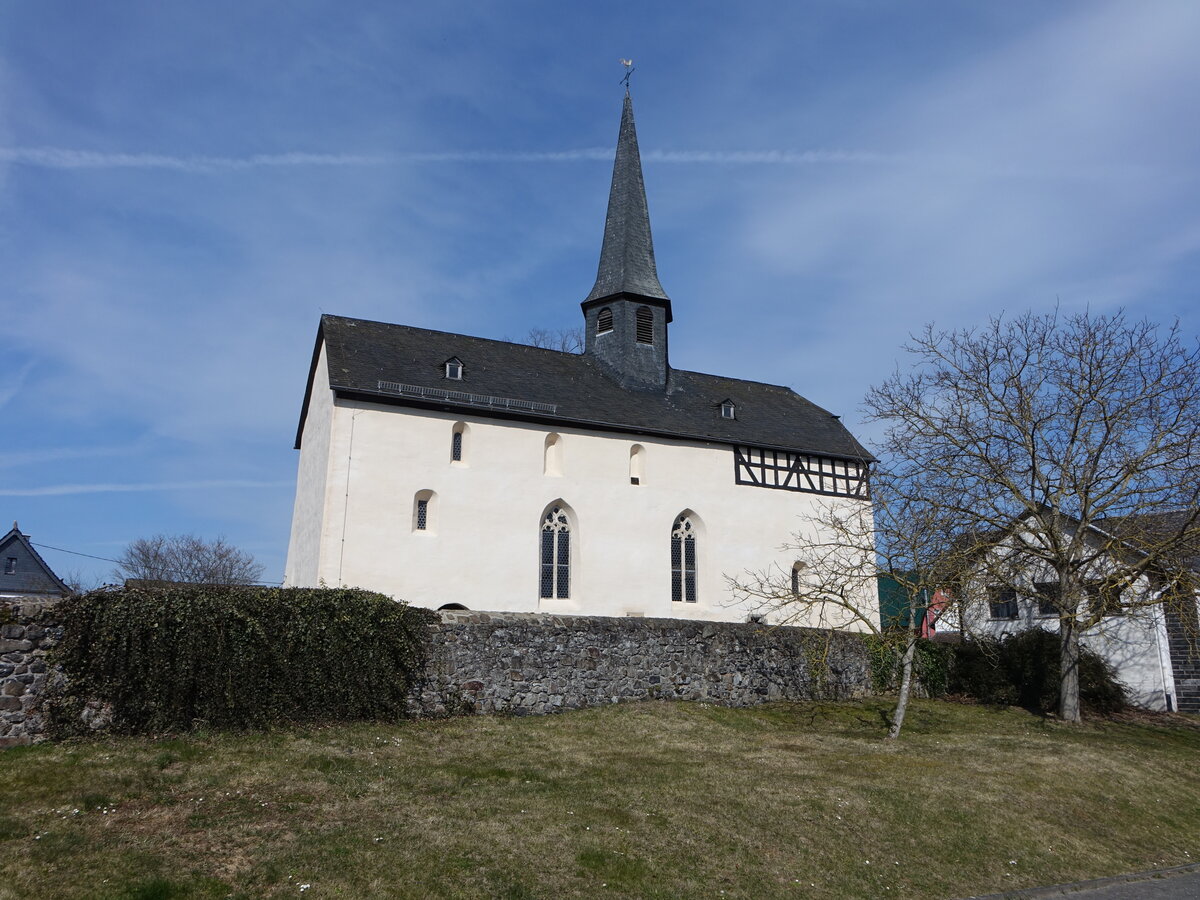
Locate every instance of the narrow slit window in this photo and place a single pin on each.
(645, 325)
(456, 447)
(604, 321)
(424, 512)
(10, 566)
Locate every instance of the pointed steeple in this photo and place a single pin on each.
(627, 256)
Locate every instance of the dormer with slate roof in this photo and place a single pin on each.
(627, 312)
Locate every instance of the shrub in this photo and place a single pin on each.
(1024, 670)
(169, 657)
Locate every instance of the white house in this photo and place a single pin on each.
(456, 471)
(1151, 645)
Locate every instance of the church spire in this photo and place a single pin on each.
(627, 255)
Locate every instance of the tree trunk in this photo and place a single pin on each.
(906, 670)
(1068, 685)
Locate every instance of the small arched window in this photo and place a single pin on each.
(424, 514)
(552, 463)
(554, 575)
(637, 464)
(797, 568)
(458, 442)
(604, 321)
(683, 560)
(645, 325)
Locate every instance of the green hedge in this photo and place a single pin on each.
(1024, 669)
(173, 657)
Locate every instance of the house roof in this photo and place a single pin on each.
(627, 255)
(32, 576)
(404, 365)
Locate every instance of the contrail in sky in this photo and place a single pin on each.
(63, 158)
(58, 490)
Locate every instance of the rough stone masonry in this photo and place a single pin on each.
(531, 664)
(525, 663)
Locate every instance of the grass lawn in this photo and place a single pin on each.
(640, 800)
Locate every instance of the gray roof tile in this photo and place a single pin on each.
(362, 353)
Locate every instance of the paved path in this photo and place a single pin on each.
(1178, 883)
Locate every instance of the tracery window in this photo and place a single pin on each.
(555, 574)
(683, 560)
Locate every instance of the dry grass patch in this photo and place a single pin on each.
(646, 800)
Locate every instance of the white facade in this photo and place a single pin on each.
(364, 466)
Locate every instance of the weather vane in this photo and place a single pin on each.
(628, 64)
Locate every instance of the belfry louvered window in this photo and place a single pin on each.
(604, 322)
(555, 575)
(683, 560)
(645, 325)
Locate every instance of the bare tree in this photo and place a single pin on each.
(187, 558)
(567, 340)
(842, 554)
(1049, 443)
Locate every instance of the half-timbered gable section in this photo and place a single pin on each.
(805, 472)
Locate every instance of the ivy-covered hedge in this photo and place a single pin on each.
(172, 657)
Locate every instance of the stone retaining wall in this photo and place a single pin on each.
(536, 664)
(24, 675)
(530, 664)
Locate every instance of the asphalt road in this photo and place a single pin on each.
(1179, 883)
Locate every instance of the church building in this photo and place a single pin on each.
(462, 472)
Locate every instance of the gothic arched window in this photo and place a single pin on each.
(555, 567)
(683, 560)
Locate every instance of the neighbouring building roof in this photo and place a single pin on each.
(364, 357)
(31, 576)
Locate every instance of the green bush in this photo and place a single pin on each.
(1023, 670)
(173, 657)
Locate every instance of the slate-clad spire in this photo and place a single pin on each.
(627, 257)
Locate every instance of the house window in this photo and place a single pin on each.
(555, 565)
(1104, 599)
(604, 321)
(454, 369)
(683, 560)
(1049, 596)
(424, 509)
(727, 410)
(645, 325)
(10, 566)
(1003, 603)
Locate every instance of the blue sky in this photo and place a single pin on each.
(184, 188)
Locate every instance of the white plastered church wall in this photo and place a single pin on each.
(482, 550)
(312, 480)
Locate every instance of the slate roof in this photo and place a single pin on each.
(362, 353)
(627, 255)
(33, 576)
